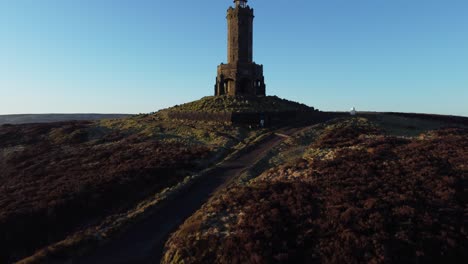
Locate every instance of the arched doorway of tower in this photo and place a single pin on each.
(258, 87)
(229, 86)
(244, 86)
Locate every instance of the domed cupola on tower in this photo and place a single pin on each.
(240, 76)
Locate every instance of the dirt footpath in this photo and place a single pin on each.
(144, 242)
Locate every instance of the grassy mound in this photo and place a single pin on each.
(240, 104)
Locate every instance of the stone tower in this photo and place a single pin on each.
(240, 76)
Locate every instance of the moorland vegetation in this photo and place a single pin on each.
(384, 188)
(60, 178)
(351, 195)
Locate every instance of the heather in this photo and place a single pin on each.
(60, 178)
(351, 197)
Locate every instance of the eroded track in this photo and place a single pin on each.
(144, 242)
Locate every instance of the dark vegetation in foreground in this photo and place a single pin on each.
(54, 179)
(355, 196)
(59, 181)
(60, 178)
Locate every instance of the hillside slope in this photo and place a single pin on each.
(60, 178)
(67, 187)
(351, 194)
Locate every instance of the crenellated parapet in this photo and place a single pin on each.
(233, 12)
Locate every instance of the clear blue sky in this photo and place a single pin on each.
(132, 56)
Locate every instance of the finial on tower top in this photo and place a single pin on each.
(241, 3)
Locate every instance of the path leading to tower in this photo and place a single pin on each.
(144, 242)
